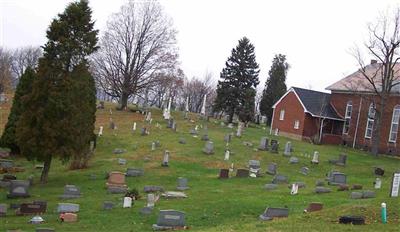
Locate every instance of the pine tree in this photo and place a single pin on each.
(236, 91)
(24, 87)
(275, 86)
(59, 116)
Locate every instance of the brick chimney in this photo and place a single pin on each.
(374, 61)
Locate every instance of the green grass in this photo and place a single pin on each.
(212, 204)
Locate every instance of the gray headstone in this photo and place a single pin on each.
(3, 210)
(131, 172)
(293, 160)
(280, 179)
(300, 184)
(209, 148)
(114, 189)
(205, 137)
(271, 213)
(271, 169)
(356, 195)
(274, 146)
(320, 189)
(171, 218)
(152, 189)
(182, 184)
(270, 186)
(368, 194)
(67, 208)
(288, 149)
(108, 205)
(228, 138)
(182, 140)
(121, 161)
(6, 163)
(165, 162)
(119, 151)
(336, 178)
(70, 192)
(19, 188)
(146, 210)
(304, 171)
(263, 144)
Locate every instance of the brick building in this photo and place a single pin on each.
(345, 116)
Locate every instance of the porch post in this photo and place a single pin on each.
(320, 130)
(358, 119)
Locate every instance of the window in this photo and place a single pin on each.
(370, 121)
(282, 115)
(394, 128)
(296, 124)
(347, 117)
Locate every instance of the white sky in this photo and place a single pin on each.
(316, 36)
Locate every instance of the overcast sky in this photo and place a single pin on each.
(316, 36)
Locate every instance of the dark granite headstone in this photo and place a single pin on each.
(224, 174)
(271, 213)
(274, 146)
(242, 173)
(31, 209)
(152, 189)
(379, 171)
(336, 178)
(271, 169)
(170, 219)
(132, 172)
(314, 206)
(19, 188)
(108, 205)
(355, 220)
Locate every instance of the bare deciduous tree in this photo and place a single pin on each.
(196, 89)
(24, 57)
(382, 76)
(138, 44)
(5, 70)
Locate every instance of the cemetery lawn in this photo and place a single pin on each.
(212, 205)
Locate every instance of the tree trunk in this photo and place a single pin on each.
(376, 136)
(123, 101)
(45, 171)
(231, 115)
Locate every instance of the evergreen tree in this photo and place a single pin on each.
(275, 86)
(59, 115)
(24, 87)
(236, 91)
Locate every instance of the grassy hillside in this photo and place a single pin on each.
(212, 204)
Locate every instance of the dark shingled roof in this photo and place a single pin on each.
(317, 103)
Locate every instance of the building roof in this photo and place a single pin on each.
(356, 82)
(317, 104)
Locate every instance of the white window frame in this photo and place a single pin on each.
(282, 115)
(396, 113)
(347, 117)
(296, 124)
(370, 121)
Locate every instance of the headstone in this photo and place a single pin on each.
(209, 148)
(169, 219)
(6, 164)
(151, 200)
(263, 144)
(108, 205)
(355, 220)
(182, 140)
(271, 169)
(230, 125)
(288, 149)
(224, 174)
(336, 178)
(343, 187)
(395, 186)
(19, 188)
(280, 179)
(134, 127)
(255, 167)
(295, 189)
(356, 187)
(341, 161)
(356, 195)
(116, 182)
(127, 202)
(263, 120)
(242, 173)
(118, 151)
(116, 189)
(174, 126)
(377, 183)
(205, 137)
(173, 194)
(182, 184)
(270, 186)
(165, 162)
(368, 194)
(3, 210)
(121, 161)
(71, 192)
(67, 208)
(293, 160)
(133, 172)
(379, 171)
(274, 146)
(227, 138)
(36, 220)
(315, 159)
(100, 131)
(153, 189)
(314, 206)
(69, 217)
(146, 210)
(239, 129)
(143, 131)
(227, 154)
(271, 213)
(304, 171)
(112, 125)
(299, 184)
(320, 189)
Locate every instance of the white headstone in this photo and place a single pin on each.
(127, 202)
(394, 192)
(378, 183)
(134, 126)
(227, 153)
(151, 199)
(315, 159)
(203, 108)
(295, 189)
(187, 105)
(153, 146)
(100, 131)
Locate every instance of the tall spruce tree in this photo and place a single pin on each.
(236, 91)
(59, 114)
(24, 87)
(275, 85)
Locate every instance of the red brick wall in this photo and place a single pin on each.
(339, 101)
(293, 111)
(310, 126)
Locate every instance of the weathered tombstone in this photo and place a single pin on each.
(271, 169)
(271, 213)
(315, 159)
(112, 124)
(146, 210)
(173, 195)
(170, 219)
(19, 188)
(67, 208)
(368, 194)
(377, 183)
(148, 117)
(379, 171)
(255, 167)
(118, 151)
(336, 178)
(36, 220)
(69, 217)
(116, 189)
(182, 140)
(314, 206)
(169, 123)
(304, 170)
(6, 164)
(134, 127)
(3, 210)
(182, 184)
(174, 126)
(165, 162)
(133, 172)
(239, 129)
(205, 137)
(223, 173)
(101, 131)
(320, 189)
(356, 195)
(108, 205)
(127, 203)
(31, 209)
(263, 144)
(121, 161)
(151, 200)
(71, 192)
(288, 149)
(153, 189)
(153, 146)
(230, 125)
(116, 182)
(395, 186)
(270, 186)
(242, 172)
(227, 138)
(209, 148)
(280, 179)
(293, 160)
(341, 161)
(227, 154)
(295, 189)
(143, 131)
(274, 146)
(343, 187)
